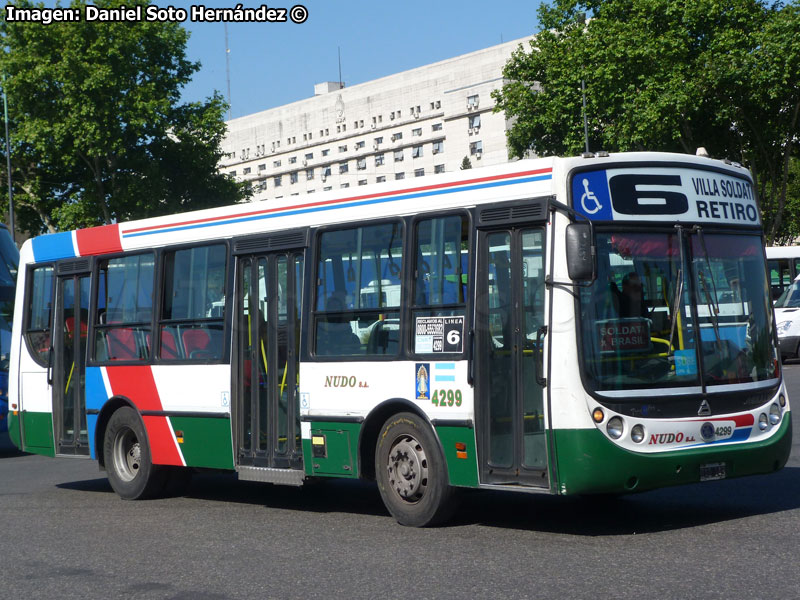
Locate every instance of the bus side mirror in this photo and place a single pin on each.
(580, 252)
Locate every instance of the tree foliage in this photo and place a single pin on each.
(98, 132)
(666, 75)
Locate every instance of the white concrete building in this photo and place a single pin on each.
(414, 123)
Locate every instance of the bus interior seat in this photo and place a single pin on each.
(121, 343)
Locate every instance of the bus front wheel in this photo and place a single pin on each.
(127, 457)
(411, 472)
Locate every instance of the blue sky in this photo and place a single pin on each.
(276, 63)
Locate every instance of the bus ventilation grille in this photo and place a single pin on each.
(520, 212)
(73, 266)
(289, 239)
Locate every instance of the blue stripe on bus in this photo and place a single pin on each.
(447, 366)
(291, 213)
(444, 377)
(53, 246)
(96, 397)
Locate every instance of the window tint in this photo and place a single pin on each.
(124, 308)
(39, 305)
(193, 304)
(359, 290)
(441, 266)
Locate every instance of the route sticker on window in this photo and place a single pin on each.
(439, 334)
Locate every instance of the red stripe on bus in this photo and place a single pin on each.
(98, 240)
(343, 200)
(136, 383)
(745, 420)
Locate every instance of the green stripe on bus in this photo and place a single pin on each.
(206, 442)
(589, 463)
(462, 465)
(38, 432)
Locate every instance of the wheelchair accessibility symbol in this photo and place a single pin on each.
(588, 196)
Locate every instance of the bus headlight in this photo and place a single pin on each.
(637, 434)
(615, 427)
(762, 421)
(782, 400)
(774, 414)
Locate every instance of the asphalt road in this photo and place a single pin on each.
(65, 534)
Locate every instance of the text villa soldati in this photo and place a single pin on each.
(153, 13)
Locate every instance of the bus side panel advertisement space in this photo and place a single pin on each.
(653, 193)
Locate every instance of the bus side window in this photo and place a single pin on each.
(440, 267)
(39, 304)
(359, 284)
(124, 308)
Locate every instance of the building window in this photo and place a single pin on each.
(378, 160)
(362, 182)
(277, 180)
(397, 136)
(472, 102)
(438, 169)
(416, 132)
(309, 174)
(399, 175)
(416, 152)
(398, 155)
(276, 164)
(327, 171)
(474, 121)
(344, 185)
(293, 177)
(343, 148)
(292, 160)
(476, 148)
(310, 156)
(246, 171)
(361, 164)
(262, 167)
(343, 168)
(380, 179)
(419, 172)
(325, 152)
(438, 147)
(327, 188)
(360, 145)
(232, 173)
(379, 140)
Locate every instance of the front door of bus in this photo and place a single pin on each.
(268, 336)
(509, 321)
(69, 365)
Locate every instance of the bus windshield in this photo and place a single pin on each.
(677, 308)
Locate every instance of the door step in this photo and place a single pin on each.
(268, 475)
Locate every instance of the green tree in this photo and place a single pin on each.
(663, 75)
(466, 163)
(98, 130)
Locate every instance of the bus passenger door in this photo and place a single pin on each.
(509, 330)
(69, 364)
(266, 410)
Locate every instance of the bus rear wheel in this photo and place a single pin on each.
(131, 472)
(411, 472)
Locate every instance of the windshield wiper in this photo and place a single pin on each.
(711, 301)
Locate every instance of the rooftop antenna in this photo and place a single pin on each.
(228, 69)
(339, 51)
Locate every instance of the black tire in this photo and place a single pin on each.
(126, 450)
(411, 474)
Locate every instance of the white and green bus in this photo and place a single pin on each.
(599, 324)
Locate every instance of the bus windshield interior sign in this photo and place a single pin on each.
(653, 193)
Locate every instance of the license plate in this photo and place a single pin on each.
(712, 471)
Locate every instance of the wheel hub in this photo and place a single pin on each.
(408, 469)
